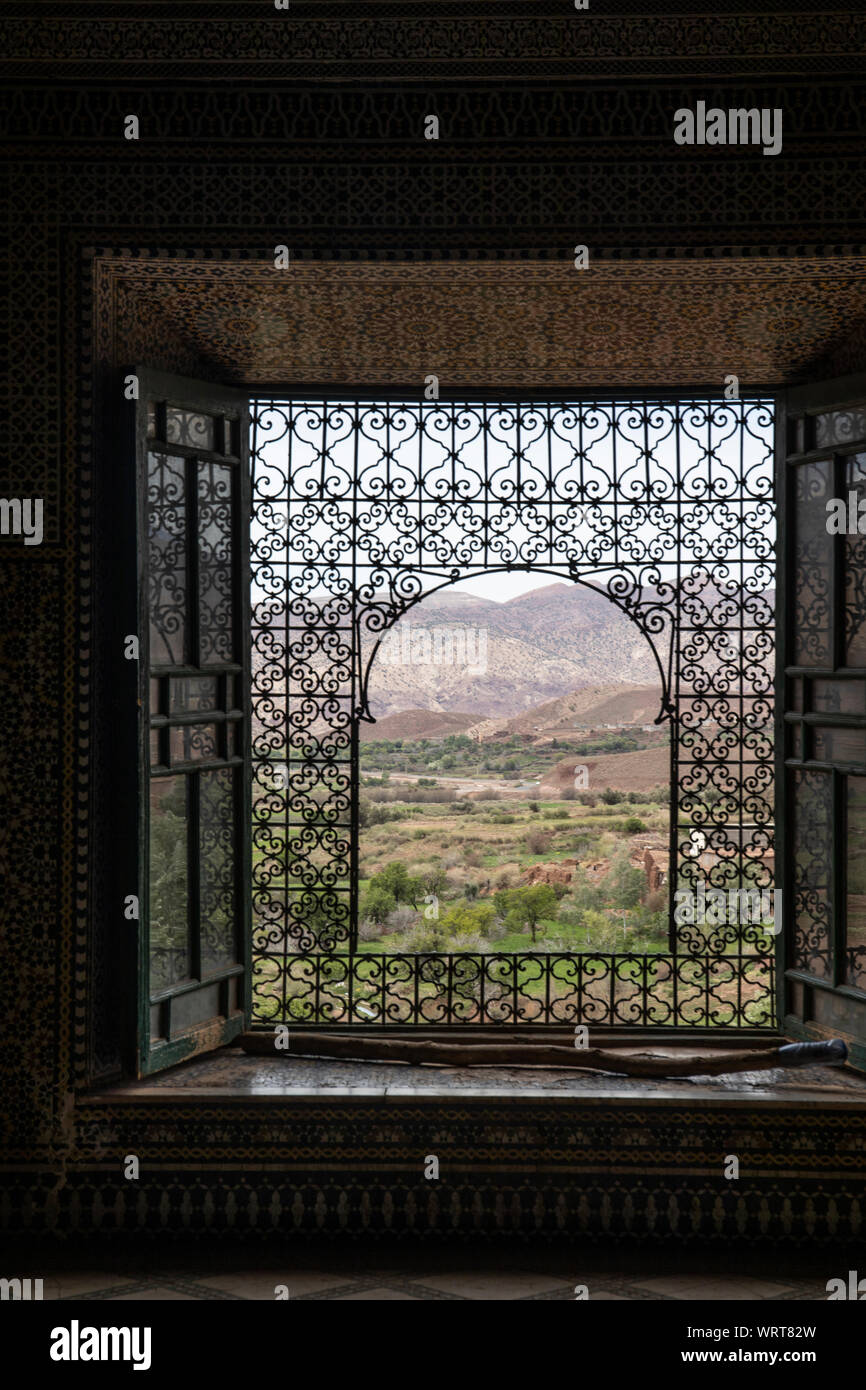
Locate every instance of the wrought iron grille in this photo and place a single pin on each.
(360, 508)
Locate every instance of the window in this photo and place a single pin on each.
(359, 508)
(271, 581)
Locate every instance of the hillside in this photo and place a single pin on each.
(415, 724)
(592, 707)
(642, 771)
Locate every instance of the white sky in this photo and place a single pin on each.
(502, 587)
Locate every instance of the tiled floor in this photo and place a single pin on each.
(461, 1275)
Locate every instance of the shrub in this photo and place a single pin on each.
(402, 919)
(538, 841)
(467, 919)
(426, 936)
(369, 931)
(633, 825)
(434, 880)
(624, 882)
(583, 893)
(370, 813)
(602, 933)
(472, 942)
(610, 797)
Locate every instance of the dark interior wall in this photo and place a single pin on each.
(306, 128)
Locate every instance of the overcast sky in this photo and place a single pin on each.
(501, 587)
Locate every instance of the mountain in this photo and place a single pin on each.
(501, 659)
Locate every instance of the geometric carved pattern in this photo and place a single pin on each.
(457, 39)
(516, 1167)
(525, 326)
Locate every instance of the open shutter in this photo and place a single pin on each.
(194, 695)
(821, 754)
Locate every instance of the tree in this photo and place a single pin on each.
(526, 906)
(435, 880)
(395, 879)
(378, 903)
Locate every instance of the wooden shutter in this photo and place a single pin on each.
(194, 812)
(821, 754)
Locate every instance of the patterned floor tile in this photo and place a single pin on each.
(253, 1285)
(153, 1295)
(493, 1284)
(380, 1295)
(712, 1287)
(76, 1285)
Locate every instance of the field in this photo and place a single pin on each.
(484, 898)
(478, 857)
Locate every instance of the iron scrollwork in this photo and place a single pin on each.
(360, 508)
